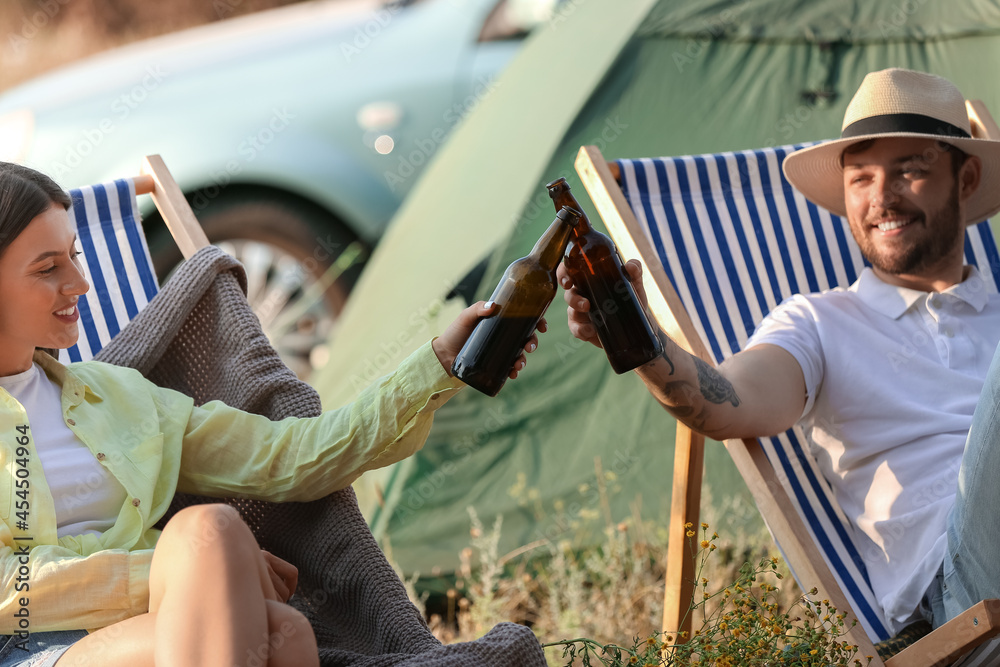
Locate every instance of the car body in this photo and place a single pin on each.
(294, 132)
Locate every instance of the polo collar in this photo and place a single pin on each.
(73, 388)
(893, 301)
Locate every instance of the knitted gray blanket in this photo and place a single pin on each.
(199, 336)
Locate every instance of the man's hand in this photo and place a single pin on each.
(449, 344)
(578, 310)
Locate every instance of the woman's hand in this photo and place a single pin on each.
(449, 344)
(284, 575)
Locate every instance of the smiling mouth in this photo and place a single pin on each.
(890, 225)
(66, 313)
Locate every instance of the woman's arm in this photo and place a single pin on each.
(45, 591)
(229, 452)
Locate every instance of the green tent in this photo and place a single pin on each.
(570, 446)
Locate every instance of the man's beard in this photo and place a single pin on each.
(937, 243)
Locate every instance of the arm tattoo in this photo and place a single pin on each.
(714, 387)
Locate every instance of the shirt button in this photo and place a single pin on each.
(71, 422)
(135, 502)
(100, 456)
(435, 397)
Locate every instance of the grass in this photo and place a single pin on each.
(610, 594)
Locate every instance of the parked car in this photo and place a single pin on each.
(295, 133)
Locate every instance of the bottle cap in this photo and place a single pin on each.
(568, 214)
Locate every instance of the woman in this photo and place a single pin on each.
(78, 556)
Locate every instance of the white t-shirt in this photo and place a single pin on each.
(86, 496)
(893, 376)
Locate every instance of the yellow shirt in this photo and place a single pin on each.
(155, 442)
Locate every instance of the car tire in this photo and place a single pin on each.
(286, 245)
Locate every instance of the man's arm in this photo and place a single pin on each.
(757, 392)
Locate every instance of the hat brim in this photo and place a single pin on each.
(816, 172)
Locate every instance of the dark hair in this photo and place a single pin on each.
(24, 195)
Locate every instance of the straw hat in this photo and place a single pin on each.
(898, 103)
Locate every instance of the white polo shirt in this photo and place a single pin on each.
(893, 376)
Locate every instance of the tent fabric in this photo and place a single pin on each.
(853, 22)
(531, 453)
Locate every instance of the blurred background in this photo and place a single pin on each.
(45, 35)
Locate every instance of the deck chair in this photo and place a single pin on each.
(725, 238)
(198, 335)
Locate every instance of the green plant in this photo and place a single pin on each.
(742, 624)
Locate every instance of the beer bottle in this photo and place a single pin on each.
(524, 293)
(593, 263)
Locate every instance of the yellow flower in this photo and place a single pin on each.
(690, 533)
(689, 525)
(633, 660)
(704, 526)
(704, 544)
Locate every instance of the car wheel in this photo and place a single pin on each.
(301, 264)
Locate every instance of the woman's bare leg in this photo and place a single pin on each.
(129, 642)
(211, 603)
(292, 642)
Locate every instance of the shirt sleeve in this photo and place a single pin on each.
(232, 453)
(792, 326)
(42, 591)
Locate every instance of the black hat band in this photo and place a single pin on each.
(903, 122)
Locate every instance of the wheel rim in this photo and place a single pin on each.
(288, 301)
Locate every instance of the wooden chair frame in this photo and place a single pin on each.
(941, 647)
(155, 180)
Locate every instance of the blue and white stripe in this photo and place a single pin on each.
(116, 263)
(735, 239)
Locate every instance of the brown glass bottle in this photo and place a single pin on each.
(593, 263)
(522, 297)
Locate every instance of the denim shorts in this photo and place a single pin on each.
(43, 648)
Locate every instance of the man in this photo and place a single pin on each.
(892, 438)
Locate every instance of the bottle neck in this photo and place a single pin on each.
(562, 196)
(549, 249)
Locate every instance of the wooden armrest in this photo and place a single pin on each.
(615, 170)
(952, 640)
(982, 123)
(173, 207)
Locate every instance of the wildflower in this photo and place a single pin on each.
(690, 533)
(704, 526)
(705, 544)
(633, 660)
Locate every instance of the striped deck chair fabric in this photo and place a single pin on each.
(116, 263)
(735, 239)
